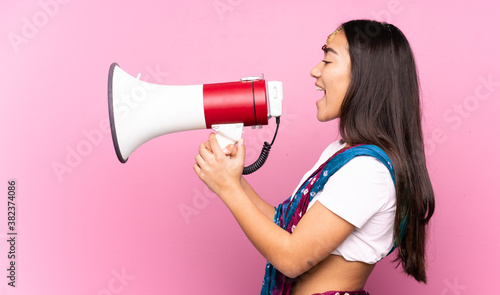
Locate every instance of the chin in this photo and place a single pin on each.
(325, 119)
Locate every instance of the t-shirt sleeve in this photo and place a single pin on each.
(358, 190)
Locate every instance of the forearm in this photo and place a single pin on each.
(222, 175)
(268, 238)
(264, 207)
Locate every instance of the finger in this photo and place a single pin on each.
(202, 146)
(205, 151)
(240, 153)
(230, 150)
(227, 150)
(207, 145)
(197, 169)
(200, 162)
(214, 144)
(234, 152)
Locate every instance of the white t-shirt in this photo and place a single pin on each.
(362, 193)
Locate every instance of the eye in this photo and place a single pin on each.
(326, 62)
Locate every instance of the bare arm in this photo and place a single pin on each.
(266, 208)
(263, 206)
(318, 233)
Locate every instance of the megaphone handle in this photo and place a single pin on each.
(228, 133)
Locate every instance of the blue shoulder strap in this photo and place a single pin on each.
(341, 159)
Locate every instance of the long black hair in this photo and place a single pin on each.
(382, 107)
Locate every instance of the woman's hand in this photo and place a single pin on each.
(220, 170)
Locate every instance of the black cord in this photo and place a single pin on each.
(263, 154)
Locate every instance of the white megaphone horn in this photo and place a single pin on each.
(140, 111)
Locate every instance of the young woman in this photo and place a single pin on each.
(368, 194)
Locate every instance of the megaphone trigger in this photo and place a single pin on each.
(228, 133)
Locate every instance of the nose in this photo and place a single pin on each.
(316, 71)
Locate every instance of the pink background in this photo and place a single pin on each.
(88, 224)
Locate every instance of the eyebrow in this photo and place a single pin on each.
(328, 49)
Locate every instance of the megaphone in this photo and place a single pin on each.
(140, 111)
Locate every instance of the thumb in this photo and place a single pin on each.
(230, 150)
(240, 153)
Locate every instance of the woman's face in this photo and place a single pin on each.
(333, 75)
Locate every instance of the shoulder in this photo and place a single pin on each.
(334, 146)
(358, 190)
(331, 149)
(362, 174)
(363, 167)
